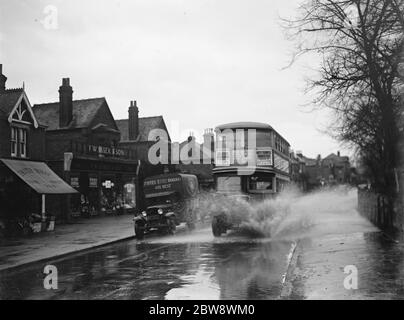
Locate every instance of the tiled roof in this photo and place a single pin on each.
(84, 112)
(196, 145)
(335, 158)
(309, 161)
(8, 99)
(146, 124)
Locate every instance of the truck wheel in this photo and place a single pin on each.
(139, 232)
(172, 226)
(217, 228)
(191, 225)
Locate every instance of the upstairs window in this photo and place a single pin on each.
(14, 138)
(18, 142)
(22, 141)
(223, 158)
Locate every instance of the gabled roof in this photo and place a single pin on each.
(10, 102)
(102, 127)
(146, 124)
(84, 112)
(334, 157)
(8, 99)
(204, 154)
(309, 161)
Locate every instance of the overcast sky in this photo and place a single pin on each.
(199, 63)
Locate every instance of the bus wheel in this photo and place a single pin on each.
(139, 232)
(217, 228)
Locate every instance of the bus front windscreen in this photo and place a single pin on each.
(260, 183)
(229, 184)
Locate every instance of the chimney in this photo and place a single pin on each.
(65, 103)
(3, 79)
(209, 140)
(318, 159)
(338, 154)
(133, 126)
(191, 137)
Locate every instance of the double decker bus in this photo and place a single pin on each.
(252, 161)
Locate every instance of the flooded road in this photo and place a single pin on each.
(184, 266)
(306, 244)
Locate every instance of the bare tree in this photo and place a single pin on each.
(361, 45)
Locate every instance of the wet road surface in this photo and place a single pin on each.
(319, 271)
(185, 266)
(322, 230)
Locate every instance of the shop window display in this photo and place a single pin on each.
(108, 197)
(129, 197)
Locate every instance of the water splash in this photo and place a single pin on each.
(292, 215)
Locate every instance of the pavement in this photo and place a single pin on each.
(324, 267)
(66, 239)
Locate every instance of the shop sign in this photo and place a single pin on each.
(264, 157)
(96, 165)
(74, 182)
(162, 184)
(107, 151)
(108, 184)
(93, 182)
(281, 164)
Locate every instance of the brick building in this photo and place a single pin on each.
(138, 134)
(82, 146)
(332, 170)
(199, 158)
(298, 172)
(24, 178)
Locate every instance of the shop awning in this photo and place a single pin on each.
(39, 177)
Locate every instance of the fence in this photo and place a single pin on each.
(379, 210)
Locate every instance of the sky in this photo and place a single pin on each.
(199, 63)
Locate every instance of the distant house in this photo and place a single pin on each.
(333, 169)
(199, 159)
(298, 170)
(338, 168)
(137, 133)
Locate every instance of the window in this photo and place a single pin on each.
(22, 140)
(229, 184)
(14, 137)
(263, 138)
(223, 158)
(129, 195)
(222, 142)
(241, 137)
(18, 142)
(259, 183)
(277, 144)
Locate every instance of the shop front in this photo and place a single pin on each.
(25, 187)
(105, 186)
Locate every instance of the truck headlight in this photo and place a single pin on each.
(160, 211)
(144, 214)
